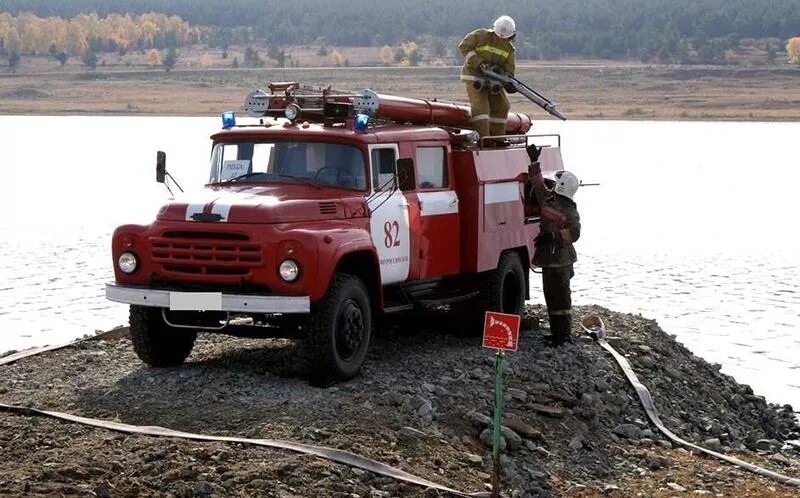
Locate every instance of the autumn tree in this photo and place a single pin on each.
(337, 59)
(793, 50)
(386, 54)
(153, 58)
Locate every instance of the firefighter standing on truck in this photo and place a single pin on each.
(560, 227)
(490, 48)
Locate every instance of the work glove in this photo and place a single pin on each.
(510, 87)
(484, 65)
(544, 239)
(533, 152)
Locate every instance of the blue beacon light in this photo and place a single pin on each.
(228, 119)
(360, 123)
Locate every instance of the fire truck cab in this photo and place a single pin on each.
(326, 215)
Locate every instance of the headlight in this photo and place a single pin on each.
(127, 262)
(289, 270)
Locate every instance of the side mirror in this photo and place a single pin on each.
(405, 174)
(161, 166)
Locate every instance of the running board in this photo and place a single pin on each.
(399, 307)
(429, 303)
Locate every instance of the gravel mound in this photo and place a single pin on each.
(423, 403)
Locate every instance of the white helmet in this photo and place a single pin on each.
(504, 27)
(566, 183)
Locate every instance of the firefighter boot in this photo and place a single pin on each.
(560, 330)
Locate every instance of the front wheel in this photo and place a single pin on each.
(339, 329)
(155, 342)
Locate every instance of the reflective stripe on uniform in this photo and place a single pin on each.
(480, 117)
(555, 265)
(493, 50)
(469, 77)
(470, 55)
(497, 120)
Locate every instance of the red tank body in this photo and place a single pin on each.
(431, 112)
(325, 224)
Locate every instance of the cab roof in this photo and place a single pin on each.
(380, 133)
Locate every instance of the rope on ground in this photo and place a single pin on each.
(593, 325)
(332, 454)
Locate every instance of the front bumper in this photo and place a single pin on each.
(207, 301)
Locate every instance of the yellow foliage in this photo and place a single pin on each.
(793, 49)
(336, 58)
(154, 58)
(386, 54)
(409, 47)
(28, 34)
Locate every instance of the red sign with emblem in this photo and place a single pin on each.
(501, 331)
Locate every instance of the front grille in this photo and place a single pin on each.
(205, 253)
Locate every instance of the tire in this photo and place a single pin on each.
(501, 290)
(339, 329)
(155, 342)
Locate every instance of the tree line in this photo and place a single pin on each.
(664, 30)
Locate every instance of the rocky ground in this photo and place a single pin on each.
(574, 427)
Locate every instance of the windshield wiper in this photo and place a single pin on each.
(242, 177)
(302, 179)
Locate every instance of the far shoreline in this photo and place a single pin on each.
(583, 90)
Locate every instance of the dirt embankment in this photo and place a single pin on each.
(574, 426)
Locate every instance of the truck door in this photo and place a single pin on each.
(438, 209)
(389, 220)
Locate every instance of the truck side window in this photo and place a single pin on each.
(431, 168)
(383, 169)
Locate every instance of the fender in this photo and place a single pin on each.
(344, 248)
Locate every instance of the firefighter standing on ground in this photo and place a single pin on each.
(555, 254)
(489, 48)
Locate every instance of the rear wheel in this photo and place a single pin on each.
(339, 329)
(502, 290)
(155, 342)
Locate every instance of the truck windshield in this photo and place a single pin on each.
(338, 165)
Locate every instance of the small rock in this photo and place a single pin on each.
(777, 457)
(713, 444)
(486, 438)
(473, 459)
(512, 438)
(522, 428)
(408, 434)
(628, 431)
(676, 487)
(479, 420)
(550, 411)
(517, 394)
(767, 445)
(576, 443)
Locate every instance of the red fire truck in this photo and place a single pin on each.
(324, 216)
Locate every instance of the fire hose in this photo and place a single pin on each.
(332, 454)
(595, 328)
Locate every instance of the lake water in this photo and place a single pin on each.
(693, 225)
